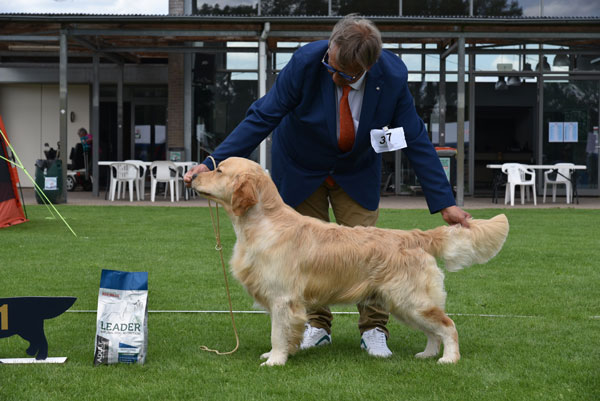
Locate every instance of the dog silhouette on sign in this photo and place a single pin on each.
(25, 316)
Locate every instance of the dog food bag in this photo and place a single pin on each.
(121, 322)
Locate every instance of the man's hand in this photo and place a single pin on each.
(200, 168)
(455, 215)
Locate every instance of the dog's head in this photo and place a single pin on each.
(233, 184)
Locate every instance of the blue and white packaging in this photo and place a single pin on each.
(122, 318)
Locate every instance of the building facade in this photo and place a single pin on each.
(493, 82)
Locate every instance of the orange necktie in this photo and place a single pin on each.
(346, 122)
(346, 139)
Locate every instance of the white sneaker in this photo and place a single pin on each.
(375, 342)
(314, 337)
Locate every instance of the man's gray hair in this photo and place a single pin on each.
(357, 40)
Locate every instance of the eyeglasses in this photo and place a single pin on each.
(333, 70)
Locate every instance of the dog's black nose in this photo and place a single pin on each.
(194, 177)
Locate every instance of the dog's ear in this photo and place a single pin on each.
(244, 195)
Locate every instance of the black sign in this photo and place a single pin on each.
(25, 316)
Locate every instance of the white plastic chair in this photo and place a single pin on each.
(517, 175)
(167, 172)
(141, 185)
(123, 173)
(188, 191)
(563, 177)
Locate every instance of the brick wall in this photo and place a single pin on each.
(175, 102)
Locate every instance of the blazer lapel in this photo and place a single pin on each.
(373, 89)
(328, 101)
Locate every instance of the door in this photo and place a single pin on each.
(150, 132)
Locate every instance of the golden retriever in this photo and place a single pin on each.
(290, 263)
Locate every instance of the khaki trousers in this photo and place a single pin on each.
(348, 213)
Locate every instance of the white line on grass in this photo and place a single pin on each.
(260, 312)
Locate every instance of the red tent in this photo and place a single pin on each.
(11, 208)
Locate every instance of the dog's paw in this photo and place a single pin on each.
(446, 360)
(425, 354)
(272, 363)
(275, 360)
(266, 355)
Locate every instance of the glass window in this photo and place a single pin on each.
(501, 8)
(294, 7)
(379, 7)
(225, 7)
(433, 7)
(219, 108)
(560, 8)
(572, 106)
(242, 61)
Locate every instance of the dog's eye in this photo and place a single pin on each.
(219, 170)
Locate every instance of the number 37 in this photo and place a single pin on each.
(389, 138)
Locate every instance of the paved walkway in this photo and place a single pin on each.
(387, 202)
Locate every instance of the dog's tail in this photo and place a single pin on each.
(460, 247)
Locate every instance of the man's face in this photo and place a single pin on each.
(354, 70)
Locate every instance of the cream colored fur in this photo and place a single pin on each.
(290, 263)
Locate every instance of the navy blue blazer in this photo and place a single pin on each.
(300, 110)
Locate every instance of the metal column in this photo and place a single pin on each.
(460, 122)
(95, 123)
(442, 102)
(472, 138)
(120, 112)
(262, 83)
(63, 122)
(187, 105)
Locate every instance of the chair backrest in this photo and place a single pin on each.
(517, 173)
(163, 170)
(140, 165)
(564, 171)
(124, 171)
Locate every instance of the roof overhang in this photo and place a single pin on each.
(142, 38)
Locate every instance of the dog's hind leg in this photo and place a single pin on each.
(437, 325)
(287, 322)
(432, 348)
(438, 328)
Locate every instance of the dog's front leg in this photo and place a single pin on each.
(280, 326)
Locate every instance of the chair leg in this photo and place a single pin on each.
(544, 199)
(141, 188)
(152, 190)
(522, 189)
(171, 189)
(553, 193)
(534, 195)
(137, 188)
(113, 187)
(512, 194)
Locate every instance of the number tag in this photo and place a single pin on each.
(387, 140)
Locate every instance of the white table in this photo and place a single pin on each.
(541, 166)
(184, 166)
(497, 178)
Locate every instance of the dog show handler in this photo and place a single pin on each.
(333, 108)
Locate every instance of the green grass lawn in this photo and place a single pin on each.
(541, 344)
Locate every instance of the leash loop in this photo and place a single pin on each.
(219, 248)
